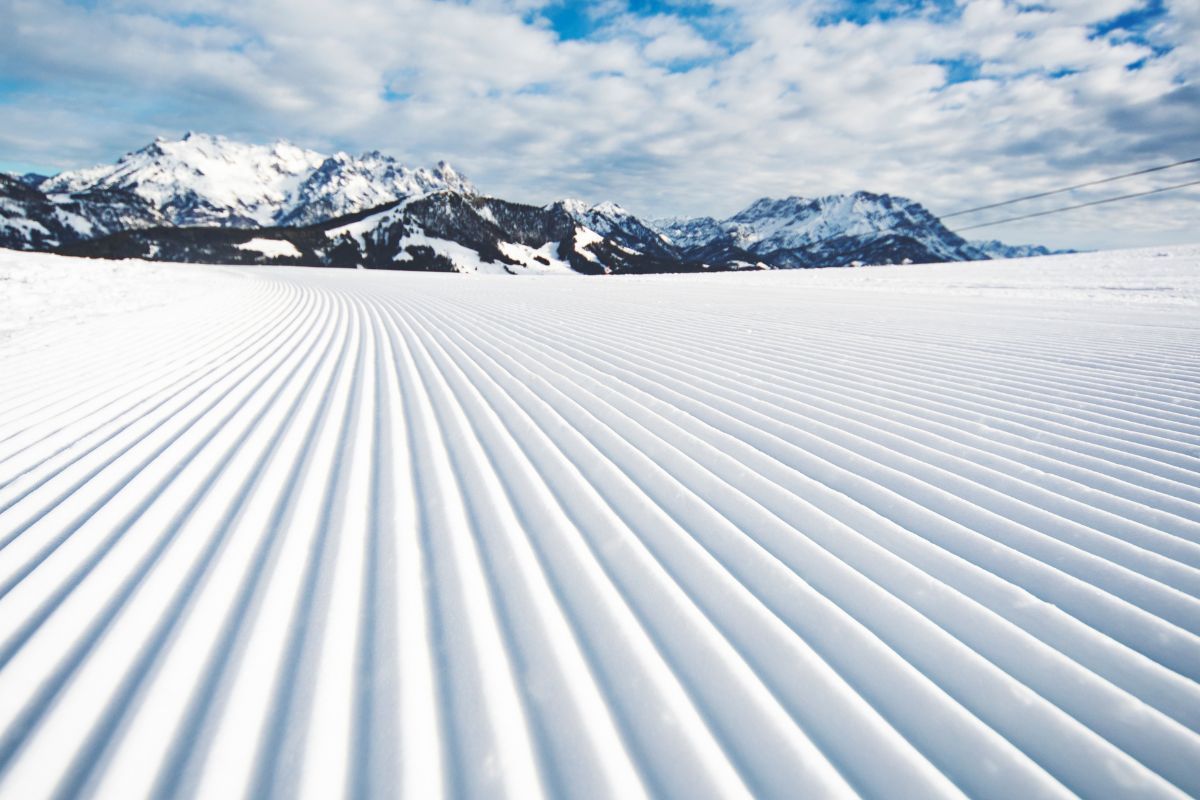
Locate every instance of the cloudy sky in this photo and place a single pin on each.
(670, 108)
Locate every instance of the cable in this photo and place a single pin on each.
(1081, 205)
(1072, 188)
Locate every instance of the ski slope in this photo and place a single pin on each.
(922, 532)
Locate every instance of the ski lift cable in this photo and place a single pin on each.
(1080, 205)
(1072, 188)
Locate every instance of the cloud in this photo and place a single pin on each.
(666, 107)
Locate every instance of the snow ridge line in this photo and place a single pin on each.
(367, 534)
(606, 373)
(157, 391)
(1036, 428)
(1071, 416)
(867, 445)
(850, 466)
(238, 335)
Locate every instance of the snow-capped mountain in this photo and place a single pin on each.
(209, 180)
(824, 231)
(453, 231)
(206, 198)
(344, 185)
(994, 248)
(29, 220)
(618, 225)
(203, 180)
(689, 232)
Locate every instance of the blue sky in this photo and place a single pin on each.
(669, 108)
(575, 19)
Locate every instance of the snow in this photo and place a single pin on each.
(465, 259)
(609, 209)
(583, 238)
(204, 180)
(245, 179)
(573, 206)
(688, 232)
(40, 292)
(769, 225)
(1145, 276)
(28, 227)
(540, 260)
(369, 224)
(272, 248)
(916, 531)
(81, 226)
(345, 184)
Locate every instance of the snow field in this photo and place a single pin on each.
(858, 532)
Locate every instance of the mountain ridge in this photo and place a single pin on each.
(204, 179)
(996, 249)
(165, 200)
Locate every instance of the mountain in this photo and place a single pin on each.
(204, 180)
(465, 232)
(996, 249)
(824, 231)
(620, 227)
(344, 185)
(30, 220)
(440, 232)
(209, 199)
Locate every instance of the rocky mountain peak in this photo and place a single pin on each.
(211, 180)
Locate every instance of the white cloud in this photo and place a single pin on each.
(666, 114)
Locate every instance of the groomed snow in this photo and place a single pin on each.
(900, 532)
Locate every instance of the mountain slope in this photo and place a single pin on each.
(454, 231)
(618, 226)
(441, 232)
(344, 185)
(30, 220)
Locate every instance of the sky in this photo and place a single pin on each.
(668, 107)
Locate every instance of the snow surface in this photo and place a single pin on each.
(369, 224)
(1159, 276)
(536, 260)
(42, 291)
(583, 238)
(465, 259)
(28, 227)
(272, 248)
(896, 532)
